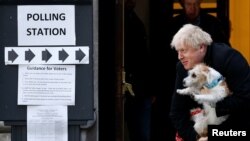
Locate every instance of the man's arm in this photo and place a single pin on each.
(180, 110)
(237, 73)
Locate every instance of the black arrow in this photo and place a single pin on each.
(12, 55)
(46, 55)
(80, 55)
(29, 55)
(63, 55)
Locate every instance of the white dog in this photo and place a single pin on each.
(207, 86)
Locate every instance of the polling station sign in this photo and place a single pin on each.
(46, 25)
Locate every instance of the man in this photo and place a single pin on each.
(195, 46)
(192, 13)
(136, 59)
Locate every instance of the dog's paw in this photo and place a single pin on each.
(179, 91)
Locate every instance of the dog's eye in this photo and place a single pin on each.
(193, 75)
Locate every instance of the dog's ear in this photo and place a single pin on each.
(212, 74)
(207, 72)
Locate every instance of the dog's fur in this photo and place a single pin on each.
(197, 84)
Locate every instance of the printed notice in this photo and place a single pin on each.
(47, 123)
(46, 85)
(46, 25)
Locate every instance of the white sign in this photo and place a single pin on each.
(46, 55)
(46, 85)
(46, 25)
(47, 123)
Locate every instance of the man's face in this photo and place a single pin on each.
(130, 4)
(192, 8)
(190, 56)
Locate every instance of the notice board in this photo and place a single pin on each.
(83, 109)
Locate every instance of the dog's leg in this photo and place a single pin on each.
(210, 98)
(203, 139)
(200, 126)
(212, 118)
(186, 91)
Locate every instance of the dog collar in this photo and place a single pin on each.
(214, 82)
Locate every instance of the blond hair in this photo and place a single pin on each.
(192, 36)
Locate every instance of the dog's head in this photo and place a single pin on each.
(200, 76)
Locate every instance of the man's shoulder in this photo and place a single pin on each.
(178, 17)
(221, 48)
(177, 22)
(208, 17)
(217, 49)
